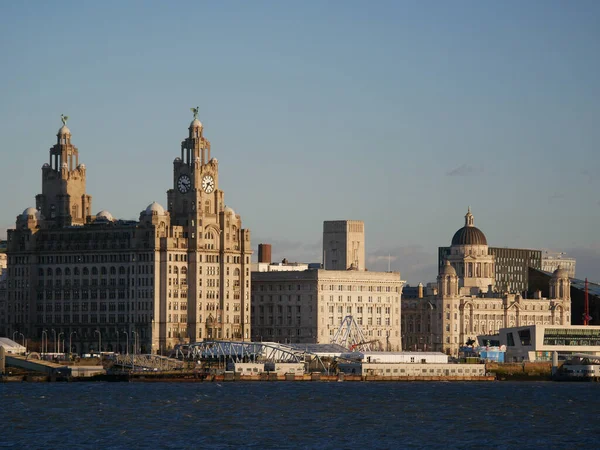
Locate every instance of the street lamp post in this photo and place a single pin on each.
(14, 334)
(23, 337)
(117, 342)
(71, 341)
(430, 306)
(59, 342)
(44, 332)
(54, 338)
(134, 342)
(99, 340)
(127, 341)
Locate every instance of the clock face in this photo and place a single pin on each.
(208, 184)
(184, 184)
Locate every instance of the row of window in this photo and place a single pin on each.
(103, 270)
(76, 319)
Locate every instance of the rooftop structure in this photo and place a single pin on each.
(344, 245)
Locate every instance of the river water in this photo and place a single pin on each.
(292, 415)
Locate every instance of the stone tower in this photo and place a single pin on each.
(63, 200)
(344, 245)
(218, 249)
(469, 255)
(560, 285)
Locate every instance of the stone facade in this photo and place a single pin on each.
(309, 306)
(467, 304)
(175, 275)
(344, 245)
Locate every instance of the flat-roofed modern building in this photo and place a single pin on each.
(512, 267)
(552, 261)
(538, 342)
(309, 306)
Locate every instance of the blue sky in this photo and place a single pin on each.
(397, 113)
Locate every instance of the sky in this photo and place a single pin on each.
(401, 114)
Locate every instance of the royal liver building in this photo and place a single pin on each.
(176, 275)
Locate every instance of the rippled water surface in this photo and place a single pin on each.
(299, 415)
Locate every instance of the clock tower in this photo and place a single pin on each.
(218, 249)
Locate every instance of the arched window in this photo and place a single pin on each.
(58, 272)
(121, 270)
(86, 271)
(40, 272)
(49, 272)
(175, 270)
(184, 271)
(67, 272)
(113, 270)
(76, 271)
(102, 270)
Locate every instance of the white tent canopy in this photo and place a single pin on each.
(11, 346)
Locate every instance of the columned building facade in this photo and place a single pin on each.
(175, 275)
(467, 303)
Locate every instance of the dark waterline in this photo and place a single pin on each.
(299, 415)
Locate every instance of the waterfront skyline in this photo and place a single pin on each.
(396, 114)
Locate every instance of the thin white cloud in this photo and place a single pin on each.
(465, 170)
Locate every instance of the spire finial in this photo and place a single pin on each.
(195, 111)
(469, 222)
(64, 119)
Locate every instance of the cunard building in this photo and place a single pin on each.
(175, 275)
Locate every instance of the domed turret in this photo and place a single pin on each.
(155, 208)
(560, 284)
(447, 269)
(469, 234)
(560, 273)
(447, 281)
(196, 124)
(64, 131)
(30, 212)
(229, 210)
(104, 216)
